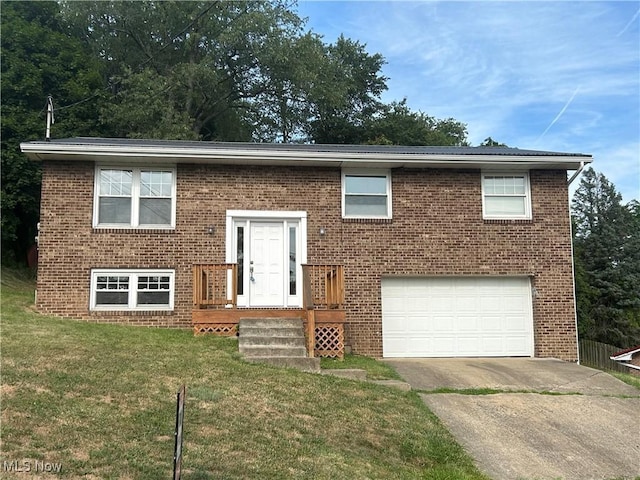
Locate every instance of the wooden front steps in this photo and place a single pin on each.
(327, 327)
(275, 341)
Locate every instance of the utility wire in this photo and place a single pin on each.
(78, 103)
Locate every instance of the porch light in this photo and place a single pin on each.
(211, 229)
(323, 231)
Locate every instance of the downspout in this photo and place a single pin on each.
(577, 172)
(573, 267)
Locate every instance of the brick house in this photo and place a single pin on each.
(391, 251)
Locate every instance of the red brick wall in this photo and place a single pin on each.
(437, 228)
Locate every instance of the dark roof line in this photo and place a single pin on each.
(298, 147)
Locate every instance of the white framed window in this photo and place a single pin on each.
(506, 196)
(142, 290)
(366, 194)
(127, 197)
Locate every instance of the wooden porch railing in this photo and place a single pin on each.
(323, 288)
(215, 285)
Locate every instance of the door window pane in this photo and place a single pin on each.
(240, 252)
(292, 261)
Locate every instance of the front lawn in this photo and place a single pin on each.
(100, 400)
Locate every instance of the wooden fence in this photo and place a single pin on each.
(596, 355)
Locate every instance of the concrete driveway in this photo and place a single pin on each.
(591, 431)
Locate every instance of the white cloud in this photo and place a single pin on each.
(566, 73)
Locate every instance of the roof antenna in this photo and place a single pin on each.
(50, 119)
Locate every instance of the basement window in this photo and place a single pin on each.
(142, 290)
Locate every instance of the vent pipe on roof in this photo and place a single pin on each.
(50, 119)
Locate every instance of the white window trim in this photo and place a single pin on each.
(527, 195)
(367, 173)
(135, 197)
(133, 280)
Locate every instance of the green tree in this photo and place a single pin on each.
(140, 109)
(241, 71)
(346, 93)
(283, 109)
(211, 59)
(397, 124)
(38, 58)
(607, 263)
(490, 142)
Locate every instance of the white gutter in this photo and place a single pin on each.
(40, 151)
(577, 172)
(573, 268)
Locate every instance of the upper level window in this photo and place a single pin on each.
(134, 197)
(132, 289)
(366, 194)
(506, 196)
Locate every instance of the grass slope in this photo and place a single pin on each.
(100, 399)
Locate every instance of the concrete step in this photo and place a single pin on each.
(271, 341)
(270, 322)
(267, 331)
(304, 364)
(273, 351)
(276, 341)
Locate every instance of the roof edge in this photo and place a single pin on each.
(293, 154)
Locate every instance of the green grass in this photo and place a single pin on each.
(632, 380)
(375, 370)
(100, 399)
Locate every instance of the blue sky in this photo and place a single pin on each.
(550, 75)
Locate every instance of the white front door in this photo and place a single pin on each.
(266, 264)
(269, 248)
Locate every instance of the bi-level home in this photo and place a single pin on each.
(388, 251)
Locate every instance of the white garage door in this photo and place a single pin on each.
(457, 317)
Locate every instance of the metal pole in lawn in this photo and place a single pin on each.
(177, 450)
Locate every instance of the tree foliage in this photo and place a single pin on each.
(490, 142)
(39, 57)
(196, 70)
(397, 124)
(607, 262)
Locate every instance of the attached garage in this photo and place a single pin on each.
(457, 317)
